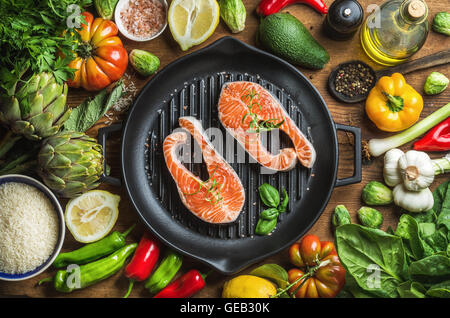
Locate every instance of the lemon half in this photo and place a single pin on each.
(92, 215)
(193, 21)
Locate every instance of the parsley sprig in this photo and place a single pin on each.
(35, 37)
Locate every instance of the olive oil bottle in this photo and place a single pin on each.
(394, 32)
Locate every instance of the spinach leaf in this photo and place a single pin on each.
(444, 214)
(408, 230)
(375, 259)
(411, 289)
(430, 270)
(438, 240)
(439, 195)
(352, 287)
(441, 290)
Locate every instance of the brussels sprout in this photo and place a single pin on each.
(233, 13)
(376, 193)
(435, 83)
(441, 23)
(105, 8)
(340, 216)
(370, 217)
(145, 63)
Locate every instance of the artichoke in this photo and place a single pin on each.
(70, 163)
(37, 108)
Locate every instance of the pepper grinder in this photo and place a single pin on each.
(343, 20)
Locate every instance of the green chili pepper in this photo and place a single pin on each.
(264, 227)
(93, 251)
(164, 273)
(80, 277)
(269, 195)
(269, 214)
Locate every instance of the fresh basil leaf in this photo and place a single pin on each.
(264, 227)
(269, 195)
(269, 214)
(375, 259)
(285, 202)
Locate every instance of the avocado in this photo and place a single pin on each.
(285, 36)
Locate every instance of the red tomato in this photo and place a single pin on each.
(101, 58)
(321, 260)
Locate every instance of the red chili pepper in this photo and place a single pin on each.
(184, 287)
(437, 139)
(143, 261)
(268, 7)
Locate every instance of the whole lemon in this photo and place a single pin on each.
(248, 286)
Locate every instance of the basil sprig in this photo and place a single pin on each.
(268, 218)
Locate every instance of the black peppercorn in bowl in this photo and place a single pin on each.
(351, 82)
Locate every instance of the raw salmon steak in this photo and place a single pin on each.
(246, 109)
(220, 198)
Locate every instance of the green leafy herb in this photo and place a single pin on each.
(375, 259)
(90, 111)
(256, 125)
(34, 34)
(269, 195)
(413, 260)
(268, 218)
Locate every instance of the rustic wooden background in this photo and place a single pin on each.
(351, 114)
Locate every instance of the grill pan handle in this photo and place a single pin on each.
(356, 131)
(102, 137)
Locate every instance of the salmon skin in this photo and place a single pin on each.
(219, 199)
(246, 109)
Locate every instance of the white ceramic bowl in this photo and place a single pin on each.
(124, 31)
(62, 228)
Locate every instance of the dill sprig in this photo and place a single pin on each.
(213, 194)
(256, 125)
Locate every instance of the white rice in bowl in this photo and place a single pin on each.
(28, 228)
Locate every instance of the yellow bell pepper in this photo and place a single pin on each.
(392, 104)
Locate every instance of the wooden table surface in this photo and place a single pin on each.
(351, 114)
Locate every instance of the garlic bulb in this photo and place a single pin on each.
(391, 173)
(413, 201)
(416, 170)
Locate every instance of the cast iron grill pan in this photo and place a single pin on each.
(199, 99)
(191, 86)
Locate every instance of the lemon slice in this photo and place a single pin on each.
(193, 21)
(92, 215)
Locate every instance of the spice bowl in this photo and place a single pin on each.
(369, 73)
(123, 24)
(60, 225)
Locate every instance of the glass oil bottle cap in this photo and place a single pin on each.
(416, 9)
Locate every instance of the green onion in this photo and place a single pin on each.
(377, 147)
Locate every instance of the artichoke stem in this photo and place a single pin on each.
(7, 143)
(13, 168)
